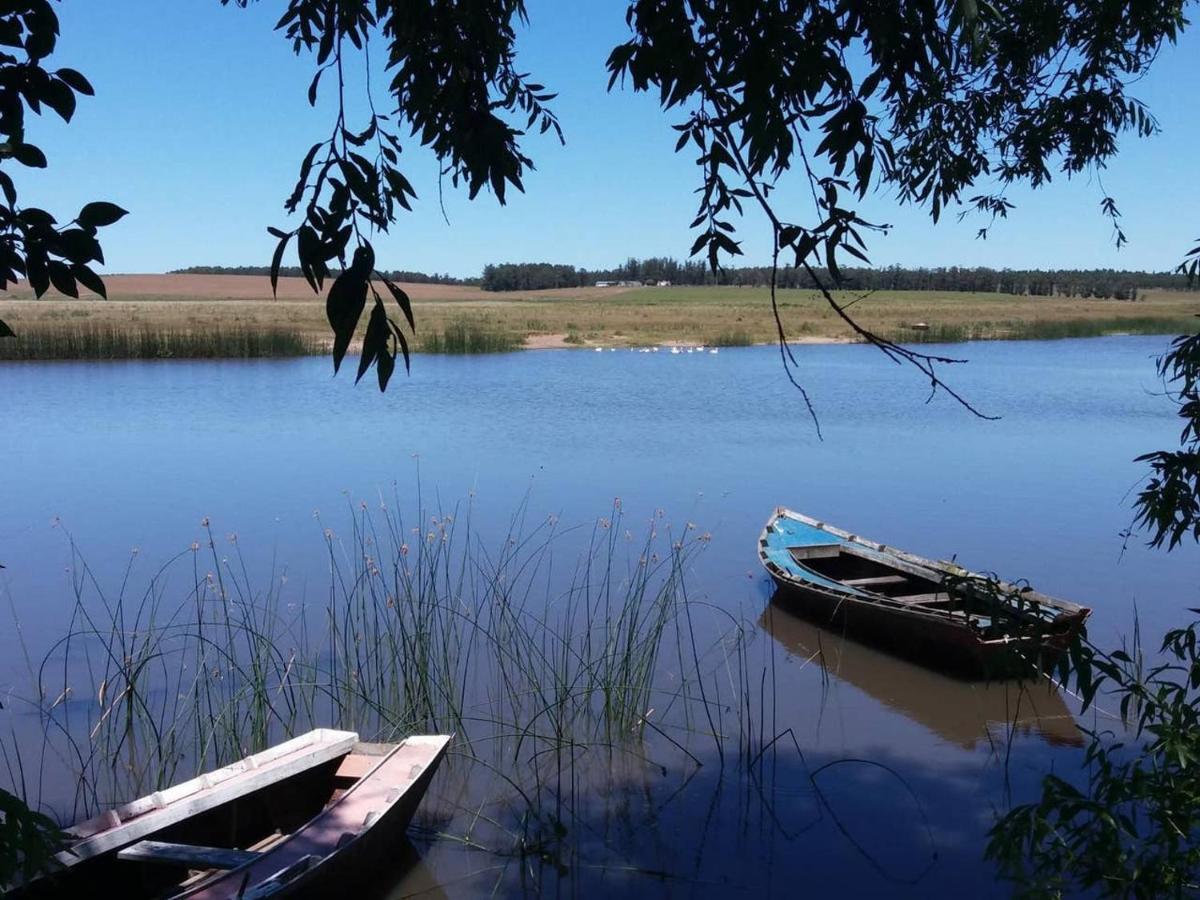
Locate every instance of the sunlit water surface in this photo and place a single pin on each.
(120, 456)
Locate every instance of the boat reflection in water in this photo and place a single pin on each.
(962, 712)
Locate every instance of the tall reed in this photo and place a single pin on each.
(549, 682)
(1043, 330)
(113, 342)
(731, 337)
(468, 336)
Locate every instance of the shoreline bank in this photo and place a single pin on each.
(210, 317)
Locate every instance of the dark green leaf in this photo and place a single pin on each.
(42, 35)
(343, 307)
(308, 248)
(403, 345)
(39, 275)
(277, 259)
(59, 98)
(100, 214)
(89, 279)
(312, 88)
(385, 365)
(29, 155)
(76, 81)
(402, 299)
(375, 341)
(10, 191)
(79, 246)
(62, 279)
(38, 218)
(356, 182)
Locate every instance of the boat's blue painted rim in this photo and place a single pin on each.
(784, 534)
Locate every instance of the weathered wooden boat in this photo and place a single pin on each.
(306, 818)
(933, 612)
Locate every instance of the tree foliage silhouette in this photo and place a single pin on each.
(947, 102)
(933, 98)
(33, 245)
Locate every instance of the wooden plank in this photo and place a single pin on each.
(257, 847)
(915, 599)
(816, 551)
(878, 579)
(369, 748)
(356, 765)
(268, 842)
(191, 855)
(150, 814)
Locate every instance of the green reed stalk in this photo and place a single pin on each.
(134, 342)
(425, 627)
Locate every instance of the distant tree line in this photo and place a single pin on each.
(1102, 284)
(294, 272)
(1097, 283)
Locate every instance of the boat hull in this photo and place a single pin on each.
(948, 647)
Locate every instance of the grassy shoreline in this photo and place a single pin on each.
(204, 317)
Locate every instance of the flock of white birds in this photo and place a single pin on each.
(674, 350)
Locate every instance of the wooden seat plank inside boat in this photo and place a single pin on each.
(921, 599)
(855, 570)
(190, 855)
(356, 765)
(876, 580)
(815, 551)
(256, 849)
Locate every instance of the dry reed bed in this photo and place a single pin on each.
(457, 319)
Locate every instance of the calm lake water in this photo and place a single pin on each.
(135, 455)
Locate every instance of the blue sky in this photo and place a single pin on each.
(200, 122)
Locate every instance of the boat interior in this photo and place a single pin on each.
(189, 853)
(843, 564)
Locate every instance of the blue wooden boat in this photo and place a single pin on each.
(934, 612)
